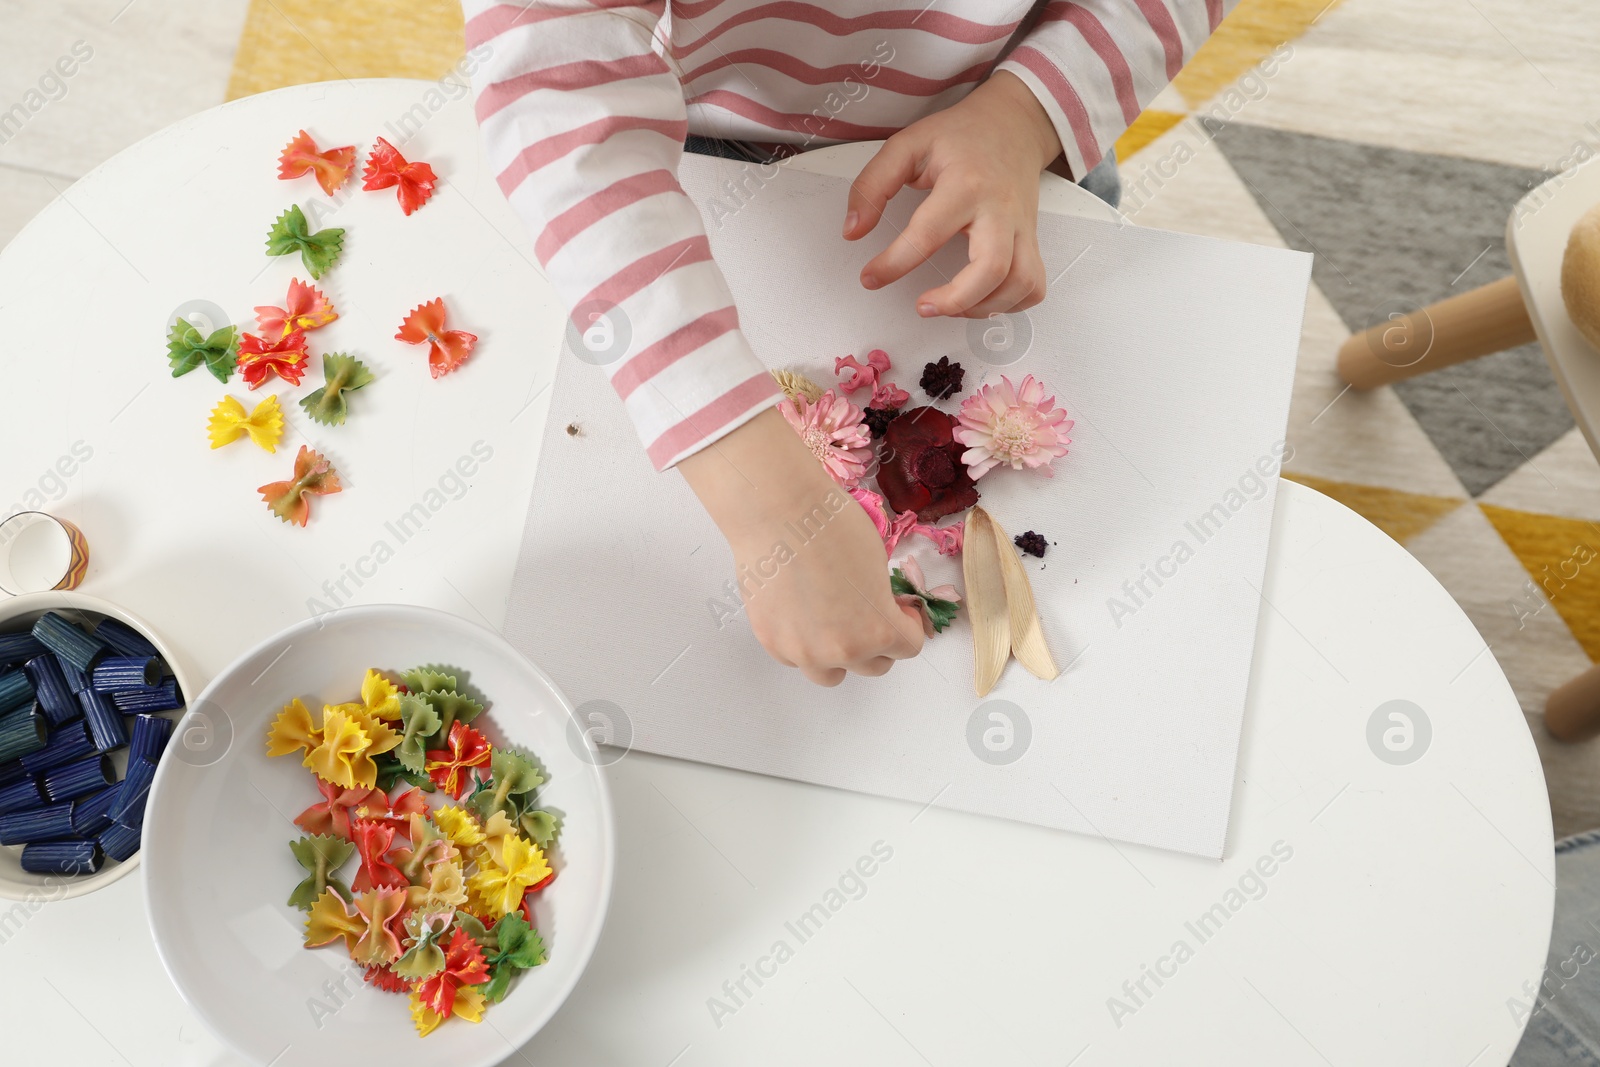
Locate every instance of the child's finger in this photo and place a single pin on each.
(872, 668)
(824, 676)
(989, 245)
(908, 643)
(940, 218)
(894, 165)
(1023, 287)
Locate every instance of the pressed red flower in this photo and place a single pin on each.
(921, 468)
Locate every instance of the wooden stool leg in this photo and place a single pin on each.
(1572, 713)
(1481, 321)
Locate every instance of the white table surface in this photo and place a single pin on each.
(1416, 901)
(1536, 238)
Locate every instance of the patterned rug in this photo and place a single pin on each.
(1390, 138)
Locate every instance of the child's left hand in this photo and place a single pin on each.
(982, 159)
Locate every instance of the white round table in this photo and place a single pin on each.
(1370, 911)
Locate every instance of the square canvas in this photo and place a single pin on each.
(1173, 354)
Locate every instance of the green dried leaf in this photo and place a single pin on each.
(940, 612)
(291, 233)
(188, 348)
(342, 374)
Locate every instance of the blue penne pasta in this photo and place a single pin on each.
(119, 842)
(92, 814)
(50, 688)
(62, 857)
(19, 796)
(134, 789)
(124, 638)
(21, 732)
(150, 736)
(125, 672)
(36, 824)
(77, 681)
(15, 690)
(163, 697)
(78, 778)
(69, 641)
(106, 728)
(12, 772)
(65, 744)
(17, 647)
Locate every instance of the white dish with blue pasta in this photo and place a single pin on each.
(88, 698)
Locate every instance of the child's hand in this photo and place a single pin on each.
(982, 159)
(811, 568)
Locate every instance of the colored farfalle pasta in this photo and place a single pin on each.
(439, 906)
(74, 694)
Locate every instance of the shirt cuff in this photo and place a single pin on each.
(1042, 74)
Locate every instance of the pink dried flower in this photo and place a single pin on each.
(865, 376)
(947, 539)
(832, 428)
(1018, 425)
(887, 396)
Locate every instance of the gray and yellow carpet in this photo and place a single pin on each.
(1390, 137)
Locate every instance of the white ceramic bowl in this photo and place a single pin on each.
(217, 865)
(19, 613)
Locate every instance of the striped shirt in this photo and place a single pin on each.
(585, 104)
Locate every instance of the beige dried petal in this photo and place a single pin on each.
(1027, 635)
(986, 600)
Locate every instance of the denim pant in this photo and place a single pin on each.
(1103, 181)
(1564, 1027)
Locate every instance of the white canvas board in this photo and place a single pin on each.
(1174, 354)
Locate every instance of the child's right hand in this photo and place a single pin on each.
(810, 565)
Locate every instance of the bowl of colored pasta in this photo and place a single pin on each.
(404, 847)
(88, 699)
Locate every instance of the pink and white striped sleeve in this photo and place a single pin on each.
(1095, 64)
(584, 126)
